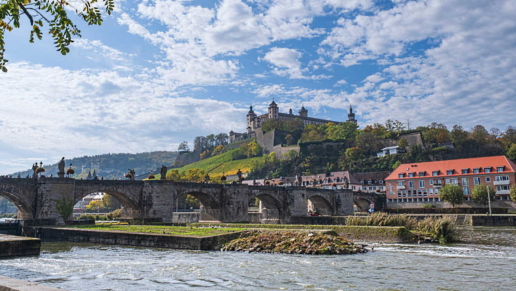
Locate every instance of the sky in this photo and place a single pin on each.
(157, 73)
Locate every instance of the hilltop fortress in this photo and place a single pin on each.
(254, 121)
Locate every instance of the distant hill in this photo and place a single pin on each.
(111, 166)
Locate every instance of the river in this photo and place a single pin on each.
(487, 264)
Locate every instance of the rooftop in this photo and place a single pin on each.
(456, 166)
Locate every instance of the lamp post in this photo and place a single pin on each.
(489, 200)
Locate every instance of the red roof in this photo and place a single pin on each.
(456, 165)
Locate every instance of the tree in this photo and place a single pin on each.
(452, 194)
(513, 193)
(183, 146)
(95, 205)
(511, 153)
(289, 139)
(64, 207)
(479, 194)
(402, 143)
(55, 14)
(110, 203)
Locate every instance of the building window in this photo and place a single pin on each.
(401, 175)
(503, 188)
(487, 170)
(419, 193)
(501, 178)
(421, 174)
(455, 181)
(381, 182)
(411, 184)
(435, 173)
(400, 183)
(476, 180)
(449, 172)
(465, 171)
(488, 179)
(411, 175)
(500, 169)
(436, 191)
(421, 183)
(464, 181)
(431, 191)
(465, 190)
(431, 182)
(476, 170)
(425, 193)
(369, 182)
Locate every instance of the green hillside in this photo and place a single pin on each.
(218, 164)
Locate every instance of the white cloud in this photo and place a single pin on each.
(73, 113)
(340, 83)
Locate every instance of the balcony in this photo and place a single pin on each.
(502, 192)
(503, 182)
(400, 187)
(437, 185)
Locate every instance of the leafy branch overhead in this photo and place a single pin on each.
(54, 14)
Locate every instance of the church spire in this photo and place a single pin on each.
(351, 115)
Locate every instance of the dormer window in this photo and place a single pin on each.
(401, 175)
(500, 169)
(476, 170)
(487, 170)
(422, 174)
(449, 172)
(411, 175)
(435, 173)
(362, 182)
(465, 171)
(380, 182)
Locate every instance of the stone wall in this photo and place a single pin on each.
(136, 239)
(511, 206)
(17, 246)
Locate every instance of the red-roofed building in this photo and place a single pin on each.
(420, 182)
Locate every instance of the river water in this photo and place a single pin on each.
(487, 264)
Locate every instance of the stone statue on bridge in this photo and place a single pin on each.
(131, 174)
(346, 183)
(163, 172)
(35, 168)
(239, 175)
(61, 167)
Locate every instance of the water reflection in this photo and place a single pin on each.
(391, 267)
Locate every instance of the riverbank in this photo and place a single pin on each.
(365, 234)
(130, 237)
(17, 246)
(10, 284)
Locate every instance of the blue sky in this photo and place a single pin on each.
(160, 72)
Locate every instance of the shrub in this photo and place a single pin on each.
(441, 229)
(429, 205)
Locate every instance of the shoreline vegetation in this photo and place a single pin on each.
(294, 242)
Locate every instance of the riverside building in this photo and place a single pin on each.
(421, 182)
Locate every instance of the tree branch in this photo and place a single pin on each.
(26, 13)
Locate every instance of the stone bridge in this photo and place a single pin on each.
(154, 200)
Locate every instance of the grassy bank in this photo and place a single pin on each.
(441, 229)
(357, 233)
(169, 230)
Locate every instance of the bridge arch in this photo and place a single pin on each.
(271, 208)
(210, 208)
(130, 208)
(24, 211)
(320, 205)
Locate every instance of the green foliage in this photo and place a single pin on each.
(396, 165)
(511, 153)
(218, 150)
(513, 193)
(480, 196)
(170, 230)
(452, 194)
(54, 14)
(403, 142)
(441, 229)
(383, 219)
(64, 207)
(428, 205)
